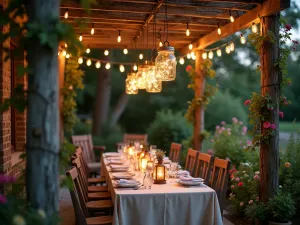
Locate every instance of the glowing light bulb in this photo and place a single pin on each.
(187, 30)
(190, 46)
(181, 60)
(80, 37)
(219, 52)
(227, 49)
(219, 30)
(88, 50)
(106, 52)
(125, 51)
(119, 39)
(243, 39)
(231, 19)
(67, 55)
(88, 62)
(107, 66)
(193, 57)
(254, 28)
(58, 53)
(135, 67)
(98, 64)
(92, 29)
(66, 14)
(160, 44)
(80, 60)
(64, 52)
(204, 55)
(210, 55)
(66, 45)
(122, 68)
(232, 46)
(193, 54)
(141, 56)
(188, 55)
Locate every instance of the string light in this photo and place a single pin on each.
(160, 44)
(88, 50)
(243, 39)
(125, 51)
(231, 46)
(193, 54)
(64, 52)
(227, 49)
(135, 67)
(80, 60)
(210, 55)
(181, 60)
(88, 62)
(66, 14)
(98, 64)
(204, 55)
(80, 37)
(231, 17)
(254, 28)
(107, 66)
(190, 46)
(219, 52)
(141, 56)
(122, 68)
(67, 55)
(193, 57)
(58, 53)
(219, 29)
(188, 55)
(119, 37)
(187, 30)
(106, 52)
(92, 29)
(66, 45)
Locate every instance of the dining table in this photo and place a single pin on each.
(163, 204)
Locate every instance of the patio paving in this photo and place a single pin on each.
(67, 213)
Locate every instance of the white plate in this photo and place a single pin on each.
(122, 175)
(118, 170)
(189, 183)
(126, 185)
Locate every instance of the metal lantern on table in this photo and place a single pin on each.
(165, 63)
(131, 84)
(141, 76)
(153, 85)
(159, 173)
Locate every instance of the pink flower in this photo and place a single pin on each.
(249, 143)
(266, 125)
(245, 129)
(223, 123)
(241, 123)
(241, 184)
(217, 127)
(235, 120)
(210, 151)
(222, 128)
(250, 202)
(237, 179)
(271, 108)
(257, 199)
(273, 126)
(188, 68)
(228, 129)
(232, 186)
(256, 177)
(288, 27)
(3, 199)
(247, 102)
(281, 115)
(6, 179)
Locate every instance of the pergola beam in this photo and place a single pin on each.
(267, 8)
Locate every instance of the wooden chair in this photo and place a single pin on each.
(84, 169)
(191, 159)
(86, 143)
(135, 137)
(84, 184)
(82, 213)
(175, 152)
(204, 166)
(219, 180)
(88, 207)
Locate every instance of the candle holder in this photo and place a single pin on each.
(159, 173)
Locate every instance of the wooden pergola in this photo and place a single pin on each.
(131, 18)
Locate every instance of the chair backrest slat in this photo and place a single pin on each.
(219, 181)
(135, 137)
(191, 159)
(86, 143)
(79, 154)
(81, 178)
(204, 166)
(175, 152)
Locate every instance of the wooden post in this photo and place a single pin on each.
(61, 74)
(199, 112)
(269, 153)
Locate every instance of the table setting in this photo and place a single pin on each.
(147, 188)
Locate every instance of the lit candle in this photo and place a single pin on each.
(130, 151)
(150, 165)
(144, 164)
(160, 173)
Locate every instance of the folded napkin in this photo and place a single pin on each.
(166, 158)
(116, 161)
(189, 178)
(124, 181)
(167, 161)
(118, 167)
(183, 173)
(111, 154)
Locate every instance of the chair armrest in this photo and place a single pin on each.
(100, 148)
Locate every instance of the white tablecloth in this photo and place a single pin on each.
(164, 204)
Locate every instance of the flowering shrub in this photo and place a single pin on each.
(230, 141)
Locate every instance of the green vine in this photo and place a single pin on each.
(209, 90)
(261, 107)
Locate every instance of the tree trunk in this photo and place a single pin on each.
(42, 174)
(199, 112)
(118, 109)
(269, 153)
(102, 103)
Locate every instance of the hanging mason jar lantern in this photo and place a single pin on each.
(131, 84)
(141, 76)
(165, 63)
(153, 85)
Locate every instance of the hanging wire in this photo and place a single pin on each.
(166, 19)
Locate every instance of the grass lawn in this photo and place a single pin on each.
(289, 126)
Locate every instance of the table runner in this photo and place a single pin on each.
(166, 204)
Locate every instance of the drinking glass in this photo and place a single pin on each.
(174, 168)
